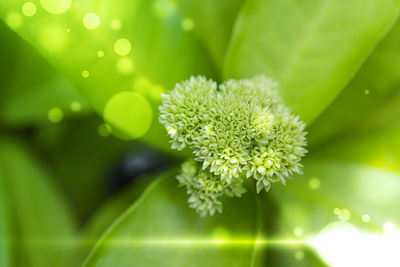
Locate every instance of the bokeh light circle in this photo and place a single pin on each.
(100, 53)
(91, 21)
(125, 65)
(85, 74)
(75, 106)
(122, 47)
(56, 7)
(129, 114)
(116, 24)
(55, 115)
(187, 25)
(29, 9)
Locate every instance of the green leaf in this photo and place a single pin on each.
(212, 21)
(309, 202)
(109, 212)
(30, 86)
(375, 89)
(5, 227)
(378, 147)
(70, 147)
(137, 46)
(43, 231)
(156, 231)
(313, 48)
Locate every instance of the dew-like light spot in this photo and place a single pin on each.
(129, 115)
(29, 9)
(336, 211)
(299, 255)
(91, 21)
(100, 53)
(55, 115)
(116, 24)
(104, 130)
(125, 65)
(68, 30)
(366, 218)
(366, 91)
(122, 47)
(14, 20)
(76, 106)
(298, 231)
(53, 38)
(388, 227)
(187, 24)
(85, 74)
(314, 183)
(56, 6)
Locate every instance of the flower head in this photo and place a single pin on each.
(238, 129)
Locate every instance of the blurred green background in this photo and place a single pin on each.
(80, 85)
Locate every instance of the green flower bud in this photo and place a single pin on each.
(236, 130)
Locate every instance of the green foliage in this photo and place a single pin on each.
(111, 209)
(161, 53)
(41, 228)
(347, 193)
(5, 227)
(68, 149)
(375, 89)
(154, 230)
(358, 188)
(27, 94)
(313, 48)
(125, 57)
(237, 129)
(213, 23)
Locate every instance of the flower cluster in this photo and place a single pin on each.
(237, 129)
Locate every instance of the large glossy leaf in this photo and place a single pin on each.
(81, 160)
(130, 45)
(42, 229)
(213, 22)
(350, 190)
(30, 87)
(375, 91)
(111, 209)
(160, 230)
(379, 147)
(313, 48)
(5, 229)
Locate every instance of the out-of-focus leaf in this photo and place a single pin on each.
(313, 48)
(136, 45)
(29, 85)
(5, 229)
(81, 160)
(158, 230)
(213, 22)
(350, 190)
(43, 230)
(109, 212)
(371, 100)
(379, 147)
